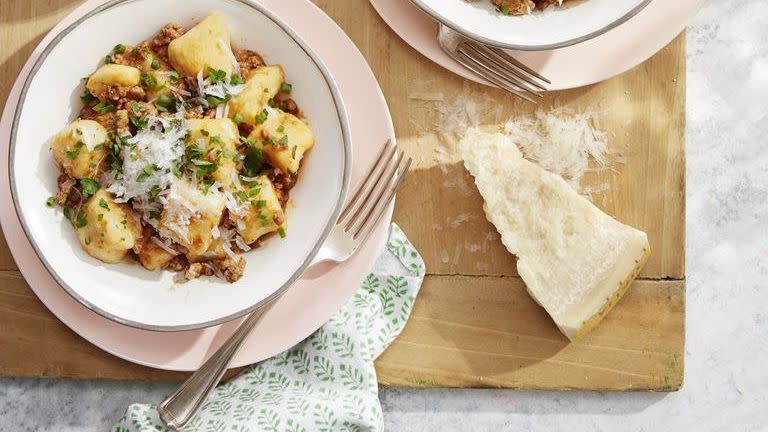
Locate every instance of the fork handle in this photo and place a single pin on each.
(180, 406)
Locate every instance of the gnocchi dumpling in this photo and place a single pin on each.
(190, 215)
(283, 138)
(80, 147)
(217, 138)
(112, 75)
(262, 84)
(262, 213)
(109, 229)
(150, 254)
(205, 45)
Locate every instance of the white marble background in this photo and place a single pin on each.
(726, 374)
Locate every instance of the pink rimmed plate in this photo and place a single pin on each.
(594, 60)
(308, 303)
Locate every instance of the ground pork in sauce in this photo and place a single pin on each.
(522, 7)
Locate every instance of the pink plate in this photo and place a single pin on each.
(578, 65)
(307, 304)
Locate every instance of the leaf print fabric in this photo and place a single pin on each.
(326, 383)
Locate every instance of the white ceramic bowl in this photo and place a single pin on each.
(126, 292)
(570, 24)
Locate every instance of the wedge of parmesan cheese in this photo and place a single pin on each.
(576, 261)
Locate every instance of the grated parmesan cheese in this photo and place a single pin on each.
(184, 202)
(561, 140)
(148, 159)
(220, 89)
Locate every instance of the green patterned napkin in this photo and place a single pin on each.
(325, 383)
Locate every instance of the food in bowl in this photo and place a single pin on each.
(523, 7)
(183, 154)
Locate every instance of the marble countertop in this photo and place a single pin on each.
(727, 260)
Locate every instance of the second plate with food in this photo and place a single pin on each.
(531, 25)
(182, 156)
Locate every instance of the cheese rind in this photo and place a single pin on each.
(576, 261)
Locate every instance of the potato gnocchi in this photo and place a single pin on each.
(523, 7)
(183, 155)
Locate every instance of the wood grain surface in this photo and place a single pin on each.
(474, 325)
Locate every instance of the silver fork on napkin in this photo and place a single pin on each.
(365, 208)
(493, 64)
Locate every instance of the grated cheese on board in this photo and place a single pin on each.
(561, 140)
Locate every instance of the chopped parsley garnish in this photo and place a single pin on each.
(80, 220)
(271, 102)
(216, 75)
(241, 196)
(88, 99)
(283, 106)
(154, 214)
(286, 88)
(231, 154)
(214, 101)
(238, 118)
(280, 129)
(139, 122)
(68, 212)
(262, 116)
(281, 232)
(293, 152)
(165, 103)
(154, 191)
(145, 173)
(108, 59)
(176, 169)
(207, 185)
(236, 79)
(283, 142)
(264, 218)
(50, 201)
(504, 9)
(104, 204)
(253, 162)
(88, 187)
(100, 217)
(148, 81)
(118, 49)
(260, 203)
(155, 64)
(174, 76)
(135, 107)
(253, 192)
(103, 107)
(72, 154)
(88, 240)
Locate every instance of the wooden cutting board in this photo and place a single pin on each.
(474, 325)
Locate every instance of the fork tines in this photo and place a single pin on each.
(369, 202)
(499, 67)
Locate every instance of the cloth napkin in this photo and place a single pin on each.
(325, 383)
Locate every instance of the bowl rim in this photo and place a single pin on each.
(346, 137)
(457, 27)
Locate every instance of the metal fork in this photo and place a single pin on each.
(365, 208)
(493, 64)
